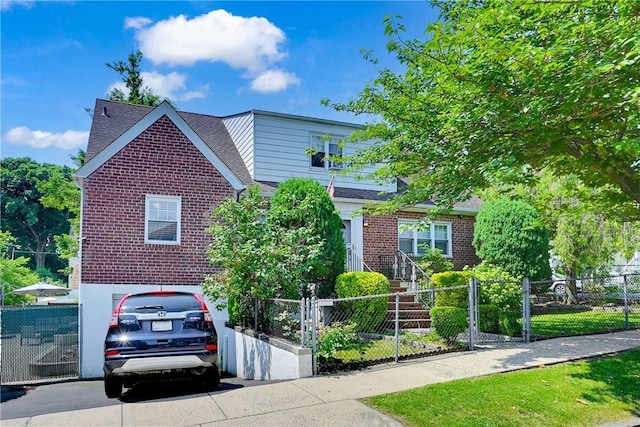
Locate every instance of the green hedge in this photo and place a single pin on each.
(489, 318)
(510, 323)
(448, 322)
(453, 297)
(367, 314)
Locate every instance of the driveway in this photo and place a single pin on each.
(30, 401)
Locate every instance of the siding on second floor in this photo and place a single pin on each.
(275, 147)
(240, 128)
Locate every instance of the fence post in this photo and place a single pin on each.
(397, 329)
(625, 290)
(526, 310)
(307, 321)
(255, 315)
(472, 314)
(314, 329)
(302, 322)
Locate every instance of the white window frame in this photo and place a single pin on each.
(409, 225)
(150, 198)
(327, 142)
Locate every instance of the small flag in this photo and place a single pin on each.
(331, 188)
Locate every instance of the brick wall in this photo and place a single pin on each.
(380, 237)
(161, 161)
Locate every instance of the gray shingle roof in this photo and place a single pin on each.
(339, 192)
(120, 117)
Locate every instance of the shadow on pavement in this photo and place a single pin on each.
(157, 390)
(10, 392)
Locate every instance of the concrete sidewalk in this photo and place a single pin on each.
(332, 400)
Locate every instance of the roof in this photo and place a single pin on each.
(470, 206)
(115, 124)
(112, 121)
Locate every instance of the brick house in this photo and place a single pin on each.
(152, 177)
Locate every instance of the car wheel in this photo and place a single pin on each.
(112, 387)
(211, 378)
(560, 289)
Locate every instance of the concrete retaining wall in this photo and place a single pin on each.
(254, 356)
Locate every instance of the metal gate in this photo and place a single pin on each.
(497, 324)
(39, 343)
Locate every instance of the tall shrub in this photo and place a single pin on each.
(509, 234)
(498, 288)
(369, 313)
(501, 290)
(458, 297)
(449, 322)
(258, 259)
(301, 202)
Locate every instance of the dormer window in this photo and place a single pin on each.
(325, 146)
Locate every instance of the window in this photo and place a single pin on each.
(321, 147)
(436, 236)
(162, 220)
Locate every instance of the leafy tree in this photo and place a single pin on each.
(13, 272)
(7, 243)
(509, 234)
(500, 89)
(139, 94)
(60, 192)
(25, 216)
(301, 202)
(259, 258)
(79, 158)
(583, 238)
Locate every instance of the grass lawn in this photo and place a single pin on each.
(382, 349)
(375, 349)
(582, 393)
(579, 323)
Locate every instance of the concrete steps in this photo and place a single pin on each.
(411, 313)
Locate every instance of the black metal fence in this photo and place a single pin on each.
(39, 343)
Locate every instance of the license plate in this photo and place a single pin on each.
(161, 325)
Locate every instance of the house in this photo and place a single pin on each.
(152, 177)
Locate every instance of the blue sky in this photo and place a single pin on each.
(210, 57)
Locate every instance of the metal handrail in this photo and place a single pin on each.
(353, 262)
(415, 269)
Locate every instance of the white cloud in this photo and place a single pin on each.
(274, 81)
(252, 44)
(217, 36)
(172, 86)
(67, 140)
(6, 4)
(137, 22)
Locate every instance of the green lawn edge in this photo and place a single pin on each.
(587, 392)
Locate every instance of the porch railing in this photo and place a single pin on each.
(403, 267)
(353, 261)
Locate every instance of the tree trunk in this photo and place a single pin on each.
(40, 254)
(571, 294)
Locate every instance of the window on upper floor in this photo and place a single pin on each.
(162, 220)
(325, 146)
(436, 236)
